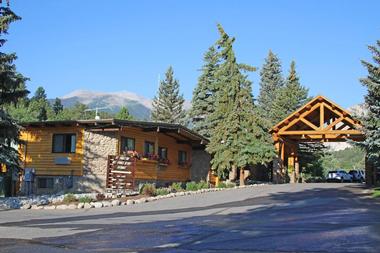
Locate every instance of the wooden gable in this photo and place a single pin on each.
(319, 120)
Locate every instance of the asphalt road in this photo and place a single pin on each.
(271, 218)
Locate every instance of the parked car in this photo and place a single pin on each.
(339, 176)
(357, 175)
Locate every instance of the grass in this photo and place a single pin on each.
(69, 198)
(376, 193)
(85, 199)
(149, 190)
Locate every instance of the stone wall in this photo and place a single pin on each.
(97, 147)
(200, 165)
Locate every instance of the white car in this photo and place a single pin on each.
(339, 176)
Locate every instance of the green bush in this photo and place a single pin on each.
(203, 185)
(162, 191)
(176, 187)
(85, 199)
(376, 193)
(149, 190)
(69, 198)
(191, 186)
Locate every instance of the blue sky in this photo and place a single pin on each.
(124, 45)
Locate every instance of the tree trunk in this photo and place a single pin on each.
(242, 181)
(233, 173)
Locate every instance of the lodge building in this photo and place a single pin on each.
(86, 155)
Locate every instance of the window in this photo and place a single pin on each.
(163, 153)
(182, 157)
(64, 143)
(45, 182)
(148, 148)
(127, 144)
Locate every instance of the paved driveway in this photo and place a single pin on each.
(271, 218)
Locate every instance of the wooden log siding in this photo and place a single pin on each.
(149, 170)
(38, 151)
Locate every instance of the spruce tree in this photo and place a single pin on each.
(290, 97)
(40, 94)
(271, 82)
(204, 95)
(168, 104)
(123, 114)
(39, 104)
(237, 140)
(12, 88)
(371, 121)
(57, 106)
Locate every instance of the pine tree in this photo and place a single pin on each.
(12, 88)
(237, 140)
(39, 104)
(57, 106)
(204, 95)
(371, 121)
(168, 104)
(123, 114)
(271, 82)
(40, 94)
(290, 97)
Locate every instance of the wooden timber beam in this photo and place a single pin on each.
(309, 123)
(337, 121)
(321, 116)
(295, 121)
(341, 114)
(321, 132)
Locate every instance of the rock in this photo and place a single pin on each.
(150, 199)
(130, 202)
(97, 204)
(72, 206)
(87, 206)
(142, 200)
(80, 205)
(106, 203)
(35, 207)
(49, 207)
(26, 206)
(115, 202)
(61, 207)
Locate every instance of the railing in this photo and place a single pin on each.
(121, 172)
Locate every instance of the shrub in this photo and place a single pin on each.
(69, 198)
(162, 191)
(203, 185)
(376, 193)
(176, 187)
(85, 199)
(100, 196)
(149, 190)
(191, 186)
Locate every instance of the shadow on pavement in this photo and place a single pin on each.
(316, 220)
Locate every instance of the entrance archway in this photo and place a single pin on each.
(320, 120)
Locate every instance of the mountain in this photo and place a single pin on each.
(138, 106)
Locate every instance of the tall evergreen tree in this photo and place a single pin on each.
(12, 88)
(168, 104)
(204, 95)
(40, 94)
(371, 121)
(271, 82)
(290, 97)
(236, 141)
(123, 114)
(57, 106)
